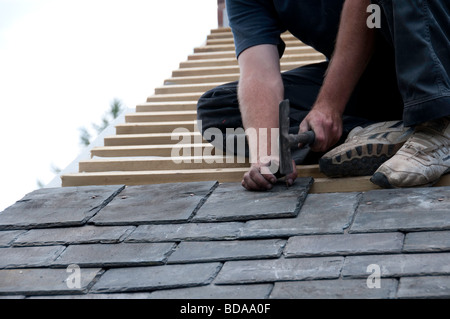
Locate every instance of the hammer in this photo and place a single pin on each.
(289, 140)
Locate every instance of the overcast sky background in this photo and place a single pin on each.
(62, 62)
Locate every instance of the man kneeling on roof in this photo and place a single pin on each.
(379, 105)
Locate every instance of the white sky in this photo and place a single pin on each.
(63, 61)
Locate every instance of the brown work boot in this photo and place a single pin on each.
(421, 161)
(365, 149)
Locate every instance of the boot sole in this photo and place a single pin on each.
(381, 180)
(360, 161)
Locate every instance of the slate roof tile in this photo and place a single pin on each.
(170, 241)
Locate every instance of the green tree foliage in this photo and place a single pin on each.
(115, 108)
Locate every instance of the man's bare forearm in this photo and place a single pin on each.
(260, 92)
(354, 47)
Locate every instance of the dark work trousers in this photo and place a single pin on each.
(376, 98)
(419, 32)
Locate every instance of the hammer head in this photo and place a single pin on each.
(284, 145)
(286, 140)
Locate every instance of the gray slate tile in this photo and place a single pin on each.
(427, 241)
(398, 265)
(74, 235)
(271, 270)
(7, 237)
(411, 209)
(146, 204)
(156, 277)
(115, 255)
(320, 214)
(186, 232)
(355, 244)
(188, 252)
(20, 257)
(57, 207)
(231, 202)
(424, 287)
(334, 289)
(216, 292)
(46, 281)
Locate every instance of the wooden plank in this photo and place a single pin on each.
(214, 48)
(218, 78)
(152, 177)
(227, 40)
(229, 35)
(156, 127)
(230, 47)
(232, 54)
(175, 97)
(221, 35)
(444, 181)
(220, 30)
(161, 116)
(234, 69)
(342, 185)
(167, 106)
(162, 163)
(212, 55)
(206, 71)
(177, 163)
(153, 150)
(186, 88)
(153, 139)
(356, 184)
(233, 61)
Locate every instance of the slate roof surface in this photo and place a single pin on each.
(210, 241)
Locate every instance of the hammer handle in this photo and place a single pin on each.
(304, 138)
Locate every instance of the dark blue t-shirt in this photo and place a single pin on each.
(314, 22)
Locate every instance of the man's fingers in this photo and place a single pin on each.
(292, 177)
(304, 127)
(254, 180)
(250, 185)
(320, 141)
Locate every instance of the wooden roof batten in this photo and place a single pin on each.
(160, 141)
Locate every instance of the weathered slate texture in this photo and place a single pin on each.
(226, 250)
(148, 204)
(57, 207)
(44, 281)
(334, 289)
(231, 202)
(398, 265)
(356, 244)
(427, 241)
(424, 287)
(259, 271)
(156, 277)
(403, 209)
(320, 214)
(29, 256)
(115, 255)
(74, 235)
(7, 237)
(216, 292)
(186, 232)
